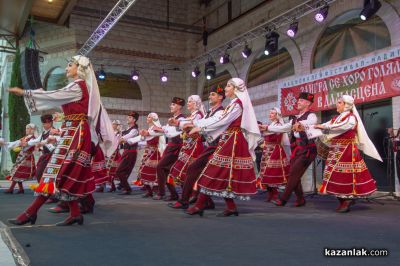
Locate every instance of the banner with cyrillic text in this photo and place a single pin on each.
(367, 79)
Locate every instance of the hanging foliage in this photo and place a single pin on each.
(17, 113)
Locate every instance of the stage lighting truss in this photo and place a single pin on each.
(282, 20)
(106, 25)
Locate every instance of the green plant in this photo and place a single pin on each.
(17, 112)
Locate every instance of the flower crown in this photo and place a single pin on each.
(81, 61)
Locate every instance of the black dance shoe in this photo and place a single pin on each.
(29, 219)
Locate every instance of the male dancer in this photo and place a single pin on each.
(171, 152)
(216, 96)
(304, 150)
(129, 155)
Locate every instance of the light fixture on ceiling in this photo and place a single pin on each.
(271, 43)
(321, 14)
(196, 72)
(210, 70)
(293, 28)
(370, 8)
(246, 51)
(163, 76)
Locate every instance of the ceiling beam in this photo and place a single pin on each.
(66, 11)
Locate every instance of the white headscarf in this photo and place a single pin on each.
(285, 137)
(32, 126)
(161, 140)
(364, 142)
(96, 112)
(199, 104)
(249, 121)
(118, 123)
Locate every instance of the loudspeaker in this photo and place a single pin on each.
(29, 68)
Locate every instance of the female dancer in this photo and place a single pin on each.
(230, 171)
(274, 164)
(346, 176)
(68, 173)
(24, 168)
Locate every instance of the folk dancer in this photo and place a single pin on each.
(274, 163)
(215, 99)
(24, 168)
(114, 160)
(304, 150)
(192, 144)
(170, 155)
(154, 147)
(68, 173)
(346, 175)
(129, 155)
(230, 171)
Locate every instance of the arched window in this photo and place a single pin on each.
(349, 36)
(219, 79)
(55, 79)
(269, 68)
(119, 86)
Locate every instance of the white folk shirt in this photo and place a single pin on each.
(39, 100)
(217, 124)
(131, 134)
(339, 127)
(38, 140)
(169, 131)
(287, 127)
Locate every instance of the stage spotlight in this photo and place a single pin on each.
(321, 15)
(246, 51)
(370, 8)
(224, 59)
(210, 70)
(291, 32)
(271, 43)
(196, 72)
(101, 74)
(163, 76)
(135, 75)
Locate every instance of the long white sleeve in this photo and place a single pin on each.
(39, 100)
(342, 126)
(133, 133)
(155, 133)
(196, 117)
(284, 128)
(12, 144)
(134, 140)
(312, 119)
(220, 121)
(171, 131)
(35, 141)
